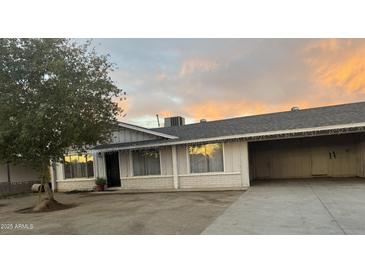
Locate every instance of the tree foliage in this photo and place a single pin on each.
(54, 95)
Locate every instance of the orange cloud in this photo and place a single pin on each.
(189, 66)
(332, 45)
(166, 113)
(214, 110)
(338, 64)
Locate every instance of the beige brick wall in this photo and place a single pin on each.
(209, 181)
(76, 185)
(152, 182)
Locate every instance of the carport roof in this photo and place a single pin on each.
(345, 115)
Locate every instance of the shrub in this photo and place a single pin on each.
(100, 181)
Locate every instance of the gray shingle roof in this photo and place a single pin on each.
(306, 118)
(131, 144)
(301, 119)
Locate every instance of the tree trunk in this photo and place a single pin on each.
(49, 203)
(9, 179)
(45, 181)
(49, 191)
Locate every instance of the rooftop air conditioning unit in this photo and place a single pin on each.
(174, 121)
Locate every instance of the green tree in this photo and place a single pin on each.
(55, 96)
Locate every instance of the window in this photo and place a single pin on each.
(206, 158)
(78, 166)
(146, 162)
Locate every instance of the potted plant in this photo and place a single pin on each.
(100, 184)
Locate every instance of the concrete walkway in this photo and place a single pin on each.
(296, 207)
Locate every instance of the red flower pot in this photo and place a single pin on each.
(100, 187)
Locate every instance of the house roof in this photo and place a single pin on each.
(146, 130)
(306, 118)
(337, 117)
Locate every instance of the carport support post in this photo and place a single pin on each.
(245, 170)
(53, 174)
(174, 167)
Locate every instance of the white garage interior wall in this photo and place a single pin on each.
(325, 156)
(361, 159)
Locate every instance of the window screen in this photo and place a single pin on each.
(206, 158)
(78, 166)
(146, 162)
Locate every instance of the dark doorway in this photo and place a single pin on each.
(112, 169)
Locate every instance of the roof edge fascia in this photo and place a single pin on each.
(239, 136)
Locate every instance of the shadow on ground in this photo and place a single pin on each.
(29, 210)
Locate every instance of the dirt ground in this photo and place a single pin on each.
(117, 213)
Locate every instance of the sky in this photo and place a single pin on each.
(222, 78)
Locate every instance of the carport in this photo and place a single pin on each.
(340, 155)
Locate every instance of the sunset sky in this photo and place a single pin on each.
(222, 78)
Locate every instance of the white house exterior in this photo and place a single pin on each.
(225, 154)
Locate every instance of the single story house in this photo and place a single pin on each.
(224, 154)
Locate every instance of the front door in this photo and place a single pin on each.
(112, 169)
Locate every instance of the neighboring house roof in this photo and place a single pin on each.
(287, 122)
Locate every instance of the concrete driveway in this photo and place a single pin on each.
(335, 206)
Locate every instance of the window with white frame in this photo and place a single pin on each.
(206, 158)
(146, 162)
(78, 166)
